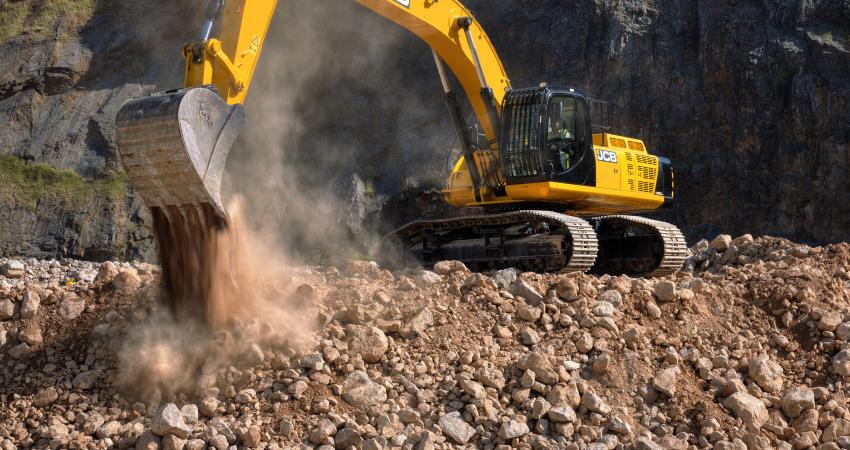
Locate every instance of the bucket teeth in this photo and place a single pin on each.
(174, 146)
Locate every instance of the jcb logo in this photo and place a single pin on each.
(607, 156)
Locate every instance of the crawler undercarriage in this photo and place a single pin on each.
(547, 241)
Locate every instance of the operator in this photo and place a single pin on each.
(559, 138)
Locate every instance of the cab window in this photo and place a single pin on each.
(565, 135)
(562, 119)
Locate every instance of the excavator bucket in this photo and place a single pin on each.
(174, 146)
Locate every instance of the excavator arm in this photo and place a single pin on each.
(175, 145)
(228, 61)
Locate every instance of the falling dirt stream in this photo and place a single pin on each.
(199, 254)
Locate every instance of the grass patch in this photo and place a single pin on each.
(39, 16)
(26, 183)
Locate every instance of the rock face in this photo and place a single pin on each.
(720, 99)
(58, 98)
(764, 104)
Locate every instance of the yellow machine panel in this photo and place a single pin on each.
(608, 173)
(626, 177)
(641, 172)
(620, 142)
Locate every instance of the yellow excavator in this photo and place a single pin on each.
(551, 182)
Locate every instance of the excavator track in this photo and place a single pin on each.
(564, 242)
(639, 246)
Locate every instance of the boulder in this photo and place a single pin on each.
(21, 351)
(665, 381)
(491, 376)
(7, 309)
(427, 278)
(837, 429)
(347, 438)
(30, 304)
(521, 288)
(595, 403)
(797, 400)
(749, 409)
(367, 341)
(456, 428)
(448, 267)
(71, 306)
(418, 323)
(106, 273)
(562, 414)
(169, 420)
(841, 363)
(721, 243)
(830, 320)
(361, 392)
(665, 291)
(513, 429)
(767, 373)
(538, 363)
(505, 278)
(127, 281)
(13, 269)
(45, 397)
(612, 296)
(86, 380)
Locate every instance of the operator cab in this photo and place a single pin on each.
(546, 136)
(564, 136)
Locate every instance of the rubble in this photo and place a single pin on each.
(747, 347)
(361, 392)
(368, 342)
(12, 269)
(748, 408)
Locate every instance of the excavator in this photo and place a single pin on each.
(552, 188)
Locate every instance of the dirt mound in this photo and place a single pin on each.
(745, 348)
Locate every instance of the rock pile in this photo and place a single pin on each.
(745, 348)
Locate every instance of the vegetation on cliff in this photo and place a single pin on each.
(37, 16)
(26, 183)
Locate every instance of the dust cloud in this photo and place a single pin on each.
(345, 110)
(239, 298)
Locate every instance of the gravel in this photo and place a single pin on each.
(747, 347)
